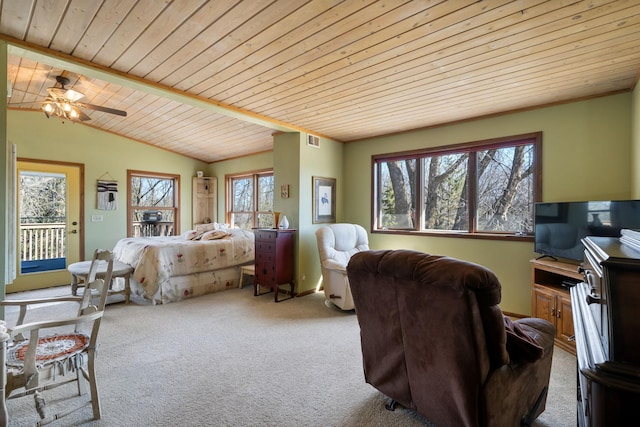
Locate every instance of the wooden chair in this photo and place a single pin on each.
(33, 369)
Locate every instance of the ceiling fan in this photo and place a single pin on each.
(64, 103)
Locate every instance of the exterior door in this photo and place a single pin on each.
(49, 217)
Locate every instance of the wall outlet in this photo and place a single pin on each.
(304, 277)
(96, 218)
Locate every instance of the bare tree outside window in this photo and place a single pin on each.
(481, 187)
(505, 189)
(153, 204)
(42, 211)
(397, 182)
(42, 198)
(251, 200)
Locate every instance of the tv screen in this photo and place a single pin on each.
(560, 226)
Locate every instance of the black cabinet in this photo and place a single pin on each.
(606, 309)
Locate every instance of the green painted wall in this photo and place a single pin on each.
(286, 170)
(586, 150)
(37, 137)
(325, 161)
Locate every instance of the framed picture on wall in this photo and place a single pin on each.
(284, 191)
(324, 200)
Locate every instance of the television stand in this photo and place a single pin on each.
(550, 299)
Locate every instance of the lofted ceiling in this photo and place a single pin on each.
(215, 80)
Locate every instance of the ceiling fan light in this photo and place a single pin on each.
(47, 107)
(66, 107)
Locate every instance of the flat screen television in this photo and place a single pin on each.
(560, 226)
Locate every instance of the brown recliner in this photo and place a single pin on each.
(435, 340)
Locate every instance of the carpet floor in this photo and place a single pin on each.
(232, 359)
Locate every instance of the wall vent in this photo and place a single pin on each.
(313, 141)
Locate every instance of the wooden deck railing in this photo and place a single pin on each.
(146, 229)
(42, 241)
(48, 241)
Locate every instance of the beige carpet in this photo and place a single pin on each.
(232, 359)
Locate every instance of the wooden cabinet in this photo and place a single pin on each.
(551, 301)
(274, 264)
(205, 200)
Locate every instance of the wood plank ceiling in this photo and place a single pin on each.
(215, 79)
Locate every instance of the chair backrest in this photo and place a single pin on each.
(97, 287)
(428, 323)
(340, 241)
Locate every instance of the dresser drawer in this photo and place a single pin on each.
(266, 235)
(265, 274)
(265, 257)
(265, 246)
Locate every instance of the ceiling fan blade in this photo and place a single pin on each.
(73, 95)
(56, 92)
(68, 94)
(83, 117)
(103, 109)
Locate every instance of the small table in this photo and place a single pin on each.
(80, 270)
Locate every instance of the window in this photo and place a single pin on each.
(250, 200)
(152, 209)
(478, 188)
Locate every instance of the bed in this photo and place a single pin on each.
(173, 268)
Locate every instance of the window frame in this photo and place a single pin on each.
(176, 198)
(473, 147)
(255, 176)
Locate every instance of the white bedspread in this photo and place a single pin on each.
(155, 259)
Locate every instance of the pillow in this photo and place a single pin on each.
(214, 235)
(201, 228)
(189, 235)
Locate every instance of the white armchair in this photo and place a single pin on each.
(336, 244)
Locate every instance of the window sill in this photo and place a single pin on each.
(464, 235)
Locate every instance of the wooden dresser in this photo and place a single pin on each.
(274, 260)
(606, 311)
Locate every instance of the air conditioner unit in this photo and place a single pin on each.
(313, 141)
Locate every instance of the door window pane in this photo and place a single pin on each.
(42, 211)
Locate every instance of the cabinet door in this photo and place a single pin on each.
(544, 304)
(564, 316)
